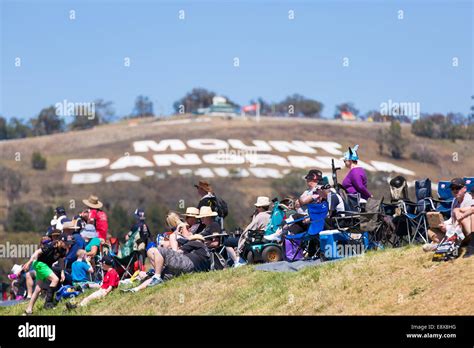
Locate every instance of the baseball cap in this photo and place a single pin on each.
(457, 183)
(314, 174)
(107, 259)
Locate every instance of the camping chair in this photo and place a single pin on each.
(317, 214)
(445, 198)
(373, 221)
(469, 184)
(398, 189)
(415, 218)
(128, 256)
(218, 254)
(423, 195)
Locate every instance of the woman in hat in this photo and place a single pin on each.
(97, 216)
(90, 236)
(260, 219)
(356, 179)
(192, 222)
(207, 216)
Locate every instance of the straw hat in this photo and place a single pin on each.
(70, 225)
(197, 237)
(191, 211)
(206, 212)
(215, 234)
(204, 185)
(93, 202)
(262, 201)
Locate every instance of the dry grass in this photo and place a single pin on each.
(392, 282)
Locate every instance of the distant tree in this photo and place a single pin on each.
(20, 220)
(395, 141)
(38, 162)
(3, 128)
(194, 100)
(143, 107)
(265, 108)
(18, 129)
(120, 221)
(345, 107)
(298, 105)
(103, 113)
(47, 122)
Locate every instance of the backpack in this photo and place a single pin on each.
(221, 207)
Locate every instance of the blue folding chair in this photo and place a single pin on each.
(445, 198)
(469, 184)
(317, 214)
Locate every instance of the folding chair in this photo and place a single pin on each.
(443, 204)
(317, 214)
(469, 184)
(398, 189)
(424, 196)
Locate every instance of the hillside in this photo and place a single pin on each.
(171, 186)
(392, 282)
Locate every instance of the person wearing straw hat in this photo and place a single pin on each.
(260, 219)
(193, 256)
(97, 216)
(207, 217)
(191, 219)
(356, 179)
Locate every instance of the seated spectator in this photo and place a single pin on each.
(110, 282)
(180, 232)
(260, 220)
(192, 221)
(313, 179)
(335, 203)
(193, 256)
(19, 283)
(461, 221)
(58, 218)
(81, 268)
(207, 219)
(74, 240)
(92, 241)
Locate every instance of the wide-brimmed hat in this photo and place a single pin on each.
(191, 211)
(89, 231)
(93, 202)
(196, 236)
(262, 201)
(70, 225)
(215, 235)
(206, 212)
(204, 185)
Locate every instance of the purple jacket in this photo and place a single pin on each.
(356, 182)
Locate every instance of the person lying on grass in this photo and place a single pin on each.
(110, 282)
(193, 256)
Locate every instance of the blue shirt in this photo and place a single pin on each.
(79, 244)
(79, 271)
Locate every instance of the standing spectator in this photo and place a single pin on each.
(356, 179)
(97, 216)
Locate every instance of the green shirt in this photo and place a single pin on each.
(93, 242)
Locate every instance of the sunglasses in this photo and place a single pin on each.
(456, 189)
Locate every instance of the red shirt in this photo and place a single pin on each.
(100, 222)
(111, 278)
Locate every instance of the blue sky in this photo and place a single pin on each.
(408, 60)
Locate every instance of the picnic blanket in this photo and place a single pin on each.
(285, 266)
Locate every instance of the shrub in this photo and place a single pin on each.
(424, 155)
(38, 162)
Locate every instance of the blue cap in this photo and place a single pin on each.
(351, 155)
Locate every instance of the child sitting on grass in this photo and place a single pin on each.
(110, 282)
(81, 268)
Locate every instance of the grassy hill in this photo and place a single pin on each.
(53, 186)
(391, 282)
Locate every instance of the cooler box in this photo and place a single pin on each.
(331, 239)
